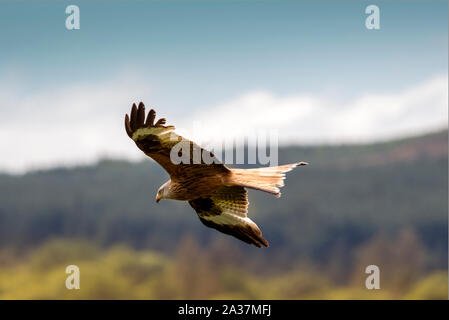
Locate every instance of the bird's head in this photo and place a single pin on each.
(163, 191)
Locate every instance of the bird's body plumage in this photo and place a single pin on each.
(216, 192)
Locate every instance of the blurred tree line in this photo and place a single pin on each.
(383, 204)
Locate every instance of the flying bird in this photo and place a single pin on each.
(217, 193)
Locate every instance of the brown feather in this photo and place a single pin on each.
(150, 118)
(128, 127)
(160, 122)
(134, 126)
(140, 115)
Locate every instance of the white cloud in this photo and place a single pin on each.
(304, 119)
(75, 124)
(66, 125)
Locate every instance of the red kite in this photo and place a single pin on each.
(217, 193)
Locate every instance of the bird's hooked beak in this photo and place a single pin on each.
(158, 198)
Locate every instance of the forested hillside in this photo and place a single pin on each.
(354, 205)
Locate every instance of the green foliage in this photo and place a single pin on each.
(124, 273)
(431, 287)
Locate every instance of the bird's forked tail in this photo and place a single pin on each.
(267, 179)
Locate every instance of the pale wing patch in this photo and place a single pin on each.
(228, 218)
(162, 132)
(241, 228)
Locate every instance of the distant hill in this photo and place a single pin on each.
(347, 194)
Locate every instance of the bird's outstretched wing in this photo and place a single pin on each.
(225, 210)
(157, 140)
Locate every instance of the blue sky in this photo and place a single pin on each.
(193, 57)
